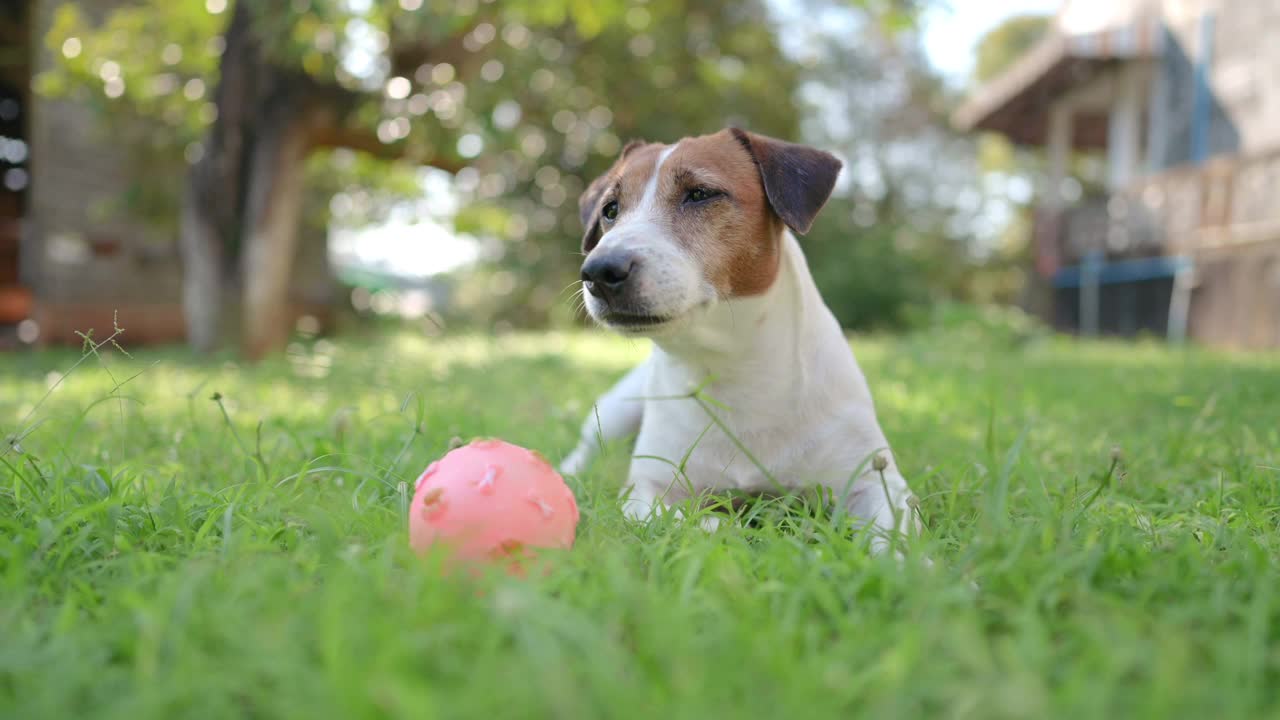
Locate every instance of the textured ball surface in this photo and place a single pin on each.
(492, 501)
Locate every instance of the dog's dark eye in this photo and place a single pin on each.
(699, 194)
(610, 210)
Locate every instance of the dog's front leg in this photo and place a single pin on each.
(881, 500)
(614, 415)
(651, 489)
(640, 499)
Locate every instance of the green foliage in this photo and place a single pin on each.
(1006, 42)
(158, 561)
(867, 279)
(979, 328)
(894, 238)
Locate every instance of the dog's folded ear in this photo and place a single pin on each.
(589, 200)
(797, 179)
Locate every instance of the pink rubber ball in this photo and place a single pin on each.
(491, 501)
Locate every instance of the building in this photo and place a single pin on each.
(1183, 99)
(68, 262)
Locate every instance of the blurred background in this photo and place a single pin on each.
(229, 173)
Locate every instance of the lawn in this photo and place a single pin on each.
(165, 554)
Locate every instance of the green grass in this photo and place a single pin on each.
(158, 561)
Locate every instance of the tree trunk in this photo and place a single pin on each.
(212, 205)
(202, 276)
(275, 184)
(242, 200)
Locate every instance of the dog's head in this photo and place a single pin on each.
(672, 229)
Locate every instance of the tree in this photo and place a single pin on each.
(1006, 42)
(519, 98)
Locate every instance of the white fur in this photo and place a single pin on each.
(648, 200)
(796, 400)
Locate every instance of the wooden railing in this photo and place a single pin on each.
(1226, 201)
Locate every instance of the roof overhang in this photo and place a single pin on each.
(1016, 103)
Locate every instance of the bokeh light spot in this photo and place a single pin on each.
(28, 331)
(470, 145)
(398, 88)
(15, 179)
(172, 54)
(442, 73)
(194, 89)
(492, 71)
(506, 114)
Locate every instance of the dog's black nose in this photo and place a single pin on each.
(606, 275)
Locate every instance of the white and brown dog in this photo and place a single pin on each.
(691, 245)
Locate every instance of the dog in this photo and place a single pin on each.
(751, 385)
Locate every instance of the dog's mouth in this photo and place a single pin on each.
(634, 322)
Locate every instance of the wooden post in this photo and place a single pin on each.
(1157, 142)
(1059, 155)
(1090, 292)
(1180, 304)
(1060, 142)
(1124, 129)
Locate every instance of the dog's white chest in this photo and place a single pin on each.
(754, 437)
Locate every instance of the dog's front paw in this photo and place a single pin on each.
(575, 463)
(637, 509)
(710, 523)
(706, 521)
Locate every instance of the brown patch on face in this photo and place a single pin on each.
(734, 234)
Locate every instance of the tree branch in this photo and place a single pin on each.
(330, 128)
(332, 135)
(408, 53)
